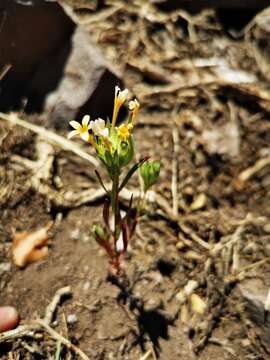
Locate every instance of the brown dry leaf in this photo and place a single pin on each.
(30, 246)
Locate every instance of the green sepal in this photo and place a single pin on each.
(100, 181)
(150, 173)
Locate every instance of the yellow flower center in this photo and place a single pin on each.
(84, 128)
(124, 131)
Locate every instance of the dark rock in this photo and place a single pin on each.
(54, 66)
(34, 40)
(87, 85)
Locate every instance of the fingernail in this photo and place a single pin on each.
(9, 318)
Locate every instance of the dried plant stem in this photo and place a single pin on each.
(56, 336)
(43, 324)
(236, 236)
(72, 199)
(175, 169)
(65, 291)
(149, 353)
(20, 331)
(50, 136)
(252, 170)
(193, 235)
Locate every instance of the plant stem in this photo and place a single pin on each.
(141, 203)
(115, 204)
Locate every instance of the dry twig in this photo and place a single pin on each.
(175, 170)
(254, 169)
(50, 136)
(60, 293)
(43, 324)
(58, 337)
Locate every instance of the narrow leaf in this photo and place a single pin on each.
(130, 203)
(106, 212)
(125, 233)
(132, 171)
(132, 223)
(100, 181)
(129, 222)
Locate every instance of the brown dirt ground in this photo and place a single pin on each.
(164, 254)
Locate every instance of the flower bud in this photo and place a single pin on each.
(149, 172)
(125, 152)
(98, 232)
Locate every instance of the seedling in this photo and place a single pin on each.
(114, 146)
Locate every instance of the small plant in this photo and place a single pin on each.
(114, 146)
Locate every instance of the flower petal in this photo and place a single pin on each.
(116, 91)
(73, 133)
(75, 124)
(85, 120)
(98, 126)
(104, 132)
(92, 123)
(85, 135)
(122, 96)
(133, 104)
(101, 123)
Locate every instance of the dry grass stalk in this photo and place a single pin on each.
(50, 136)
(43, 324)
(175, 170)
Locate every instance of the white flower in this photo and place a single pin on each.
(134, 107)
(99, 128)
(80, 129)
(120, 97)
(133, 104)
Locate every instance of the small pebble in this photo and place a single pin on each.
(5, 267)
(75, 234)
(72, 318)
(86, 286)
(86, 238)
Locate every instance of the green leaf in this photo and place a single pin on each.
(100, 181)
(132, 171)
(106, 213)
